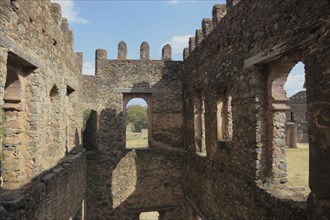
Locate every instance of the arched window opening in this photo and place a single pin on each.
(287, 158)
(199, 123)
(224, 117)
(137, 123)
(149, 215)
(15, 122)
(297, 147)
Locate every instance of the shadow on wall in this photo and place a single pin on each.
(123, 183)
(133, 182)
(56, 193)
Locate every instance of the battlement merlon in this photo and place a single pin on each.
(218, 12)
(207, 26)
(56, 13)
(191, 44)
(79, 60)
(167, 52)
(198, 37)
(185, 53)
(67, 33)
(231, 4)
(144, 51)
(122, 50)
(100, 57)
(70, 38)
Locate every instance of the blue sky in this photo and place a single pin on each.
(104, 23)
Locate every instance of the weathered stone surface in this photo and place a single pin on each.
(137, 180)
(41, 127)
(223, 60)
(122, 50)
(144, 51)
(230, 82)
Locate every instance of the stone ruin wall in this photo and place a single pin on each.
(247, 56)
(232, 75)
(121, 182)
(40, 91)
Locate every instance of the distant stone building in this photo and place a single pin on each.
(298, 109)
(297, 114)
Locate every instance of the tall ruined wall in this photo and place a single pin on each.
(245, 59)
(122, 182)
(40, 87)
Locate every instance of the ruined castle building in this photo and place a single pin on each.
(42, 164)
(216, 120)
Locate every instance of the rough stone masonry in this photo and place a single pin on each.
(216, 120)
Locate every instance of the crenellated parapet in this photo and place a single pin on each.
(208, 24)
(102, 61)
(67, 34)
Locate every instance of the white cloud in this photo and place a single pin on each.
(70, 11)
(172, 2)
(176, 2)
(294, 84)
(295, 80)
(88, 69)
(178, 43)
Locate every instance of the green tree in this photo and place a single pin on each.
(137, 115)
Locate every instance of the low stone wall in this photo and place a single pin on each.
(56, 194)
(134, 181)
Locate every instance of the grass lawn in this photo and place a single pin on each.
(136, 139)
(297, 167)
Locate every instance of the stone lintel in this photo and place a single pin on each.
(25, 58)
(269, 55)
(136, 90)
